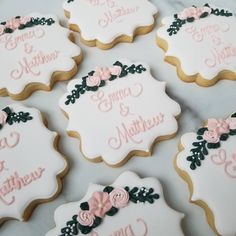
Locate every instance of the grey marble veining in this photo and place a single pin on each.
(197, 104)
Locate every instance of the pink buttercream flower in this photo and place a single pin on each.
(99, 204)
(115, 70)
(85, 218)
(194, 12)
(24, 20)
(119, 198)
(13, 23)
(93, 81)
(2, 28)
(220, 126)
(211, 136)
(3, 117)
(231, 122)
(102, 72)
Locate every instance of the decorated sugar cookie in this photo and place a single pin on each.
(35, 52)
(30, 166)
(130, 206)
(207, 161)
(119, 111)
(201, 43)
(104, 23)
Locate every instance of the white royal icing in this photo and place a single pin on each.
(141, 219)
(214, 182)
(29, 164)
(32, 55)
(206, 46)
(105, 20)
(107, 125)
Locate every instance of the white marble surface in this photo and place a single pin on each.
(197, 105)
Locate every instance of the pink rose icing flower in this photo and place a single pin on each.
(24, 20)
(194, 12)
(85, 218)
(119, 198)
(115, 70)
(13, 23)
(220, 126)
(99, 204)
(93, 81)
(211, 136)
(3, 118)
(231, 122)
(102, 72)
(2, 28)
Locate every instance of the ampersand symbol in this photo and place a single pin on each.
(124, 110)
(216, 40)
(28, 48)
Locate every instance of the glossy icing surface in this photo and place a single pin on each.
(214, 180)
(32, 55)
(29, 164)
(209, 41)
(134, 219)
(106, 20)
(127, 114)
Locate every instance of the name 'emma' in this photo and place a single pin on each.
(128, 133)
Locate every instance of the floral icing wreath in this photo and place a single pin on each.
(217, 130)
(9, 117)
(23, 22)
(193, 13)
(108, 202)
(98, 78)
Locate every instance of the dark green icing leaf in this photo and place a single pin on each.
(108, 189)
(34, 21)
(234, 115)
(71, 227)
(84, 206)
(136, 195)
(82, 88)
(224, 137)
(201, 131)
(13, 117)
(213, 145)
(178, 23)
(112, 211)
(232, 132)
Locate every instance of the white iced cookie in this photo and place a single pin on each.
(37, 51)
(201, 43)
(207, 161)
(118, 112)
(30, 166)
(103, 23)
(130, 206)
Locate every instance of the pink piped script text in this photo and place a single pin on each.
(228, 163)
(31, 66)
(10, 141)
(222, 53)
(201, 33)
(15, 183)
(113, 13)
(11, 41)
(107, 101)
(139, 229)
(126, 133)
(32, 58)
